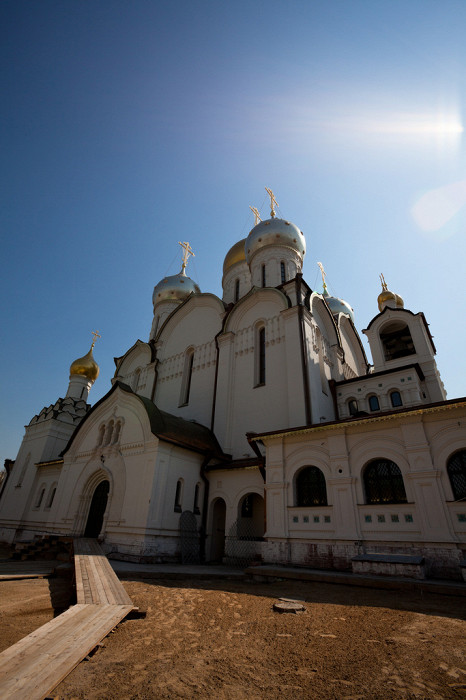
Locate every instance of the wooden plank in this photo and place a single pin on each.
(39, 668)
(96, 582)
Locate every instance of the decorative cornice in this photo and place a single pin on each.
(356, 422)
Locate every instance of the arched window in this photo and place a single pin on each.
(352, 407)
(374, 403)
(310, 488)
(260, 357)
(237, 290)
(383, 482)
(117, 431)
(456, 468)
(263, 276)
(282, 272)
(395, 398)
(187, 377)
(100, 439)
(196, 510)
(108, 433)
(178, 496)
(52, 493)
(396, 340)
(40, 498)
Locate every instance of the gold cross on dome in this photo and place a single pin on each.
(257, 216)
(324, 275)
(383, 283)
(95, 335)
(187, 251)
(273, 202)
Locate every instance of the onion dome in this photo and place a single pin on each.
(275, 232)
(86, 366)
(174, 288)
(338, 306)
(388, 298)
(235, 255)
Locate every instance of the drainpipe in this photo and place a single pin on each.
(304, 363)
(214, 399)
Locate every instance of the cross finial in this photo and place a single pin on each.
(273, 202)
(383, 283)
(187, 251)
(95, 335)
(324, 275)
(257, 217)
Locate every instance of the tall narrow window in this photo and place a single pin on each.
(352, 407)
(236, 290)
(178, 496)
(395, 398)
(196, 510)
(374, 403)
(282, 272)
(260, 357)
(51, 496)
(40, 498)
(187, 377)
(263, 276)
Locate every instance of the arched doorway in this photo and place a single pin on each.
(251, 516)
(217, 549)
(97, 510)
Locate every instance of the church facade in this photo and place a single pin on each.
(259, 411)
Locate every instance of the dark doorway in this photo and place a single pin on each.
(218, 530)
(97, 510)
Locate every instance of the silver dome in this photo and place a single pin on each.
(339, 306)
(174, 288)
(274, 232)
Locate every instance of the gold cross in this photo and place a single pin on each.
(187, 251)
(324, 275)
(273, 202)
(95, 335)
(257, 216)
(383, 283)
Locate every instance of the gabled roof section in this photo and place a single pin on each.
(167, 427)
(118, 360)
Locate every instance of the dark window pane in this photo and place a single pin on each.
(456, 469)
(395, 398)
(310, 488)
(374, 403)
(383, 482)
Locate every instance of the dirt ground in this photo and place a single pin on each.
(221, 639)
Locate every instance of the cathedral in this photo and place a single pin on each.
(258, 416)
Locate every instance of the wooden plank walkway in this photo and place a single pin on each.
(96, 582)
(31, 668)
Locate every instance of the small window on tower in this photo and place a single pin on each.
(263, 276)
(237, 290)
(282, 272)
(260, 357)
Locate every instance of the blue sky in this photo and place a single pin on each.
(129, 126)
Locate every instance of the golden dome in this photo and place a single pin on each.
(86, 366)
(386, 295)
(236, 254)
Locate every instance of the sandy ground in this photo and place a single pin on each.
(221, 639)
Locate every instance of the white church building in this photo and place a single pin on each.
(260, 414)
